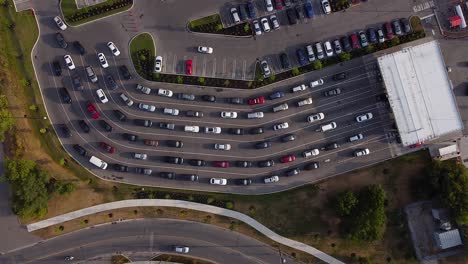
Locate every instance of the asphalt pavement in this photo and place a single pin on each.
(149, 236)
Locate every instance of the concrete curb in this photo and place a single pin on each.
(186, 205)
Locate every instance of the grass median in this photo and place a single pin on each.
(142, 50)
(75, 17)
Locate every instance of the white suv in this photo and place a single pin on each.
(218, 181)
(280, 126)
(271, 179)
(194, 129)
(166, 93)
(309, 153)
(222, 146)
(364, 117)
(230, 115)
(171, 111)
(213, 130)
(362, 152)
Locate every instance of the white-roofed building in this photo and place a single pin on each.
(448, 239)
(420, 93)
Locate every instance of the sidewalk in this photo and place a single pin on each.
(187, 205)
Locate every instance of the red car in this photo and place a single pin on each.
(389, 30)
(257, 100)
(188, 67)
(354, 41)
(221, 164)
(279, 4)
(288, 158)
(107, 147)
(92, 110)
(416, 145)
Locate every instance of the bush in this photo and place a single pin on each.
(345, 56)
(345, 203)
(229, 205)
(317, 65)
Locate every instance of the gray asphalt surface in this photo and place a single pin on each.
(154, 236)
(358, 97)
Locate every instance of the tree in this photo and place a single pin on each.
(295, 71)
(180, 79)
(317, 65)
(6, 123)
(65, 188)
(28, 184)
(272, 78)
(201, 80)
(345, 203)
(345, 56)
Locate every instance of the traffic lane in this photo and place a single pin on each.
(148, 235)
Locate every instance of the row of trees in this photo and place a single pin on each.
(362, 213)
(6, 119)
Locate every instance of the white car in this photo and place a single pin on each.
(127, 101)
(315, 117)
(102, 60)
(143, 89)
(265, 24)
(181, 249)
(269, 5)
(328, 48)
(362, 152)
(316, 83)
(230, 115)
(218, 181)
(280, 126)
(274, 22)
(60, 23)
(141, 156)
(147, 107)
(271, 179)
(257, 29)
(364, 117)
(166, 93)
(309, 153)
(158, 64)
(299, 88)
(222, 146)
(69, 62)
(307, 101)
(213, 130)
(171, 111)
(206, 50)
(113, 48)
(265, 68)
(193, 129)
(102, 96)
(326, 7)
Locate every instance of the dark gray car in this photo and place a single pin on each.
(61, 40)
(263, 145)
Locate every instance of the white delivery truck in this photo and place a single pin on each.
(98, 162)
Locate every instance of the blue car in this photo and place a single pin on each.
(301, 57)
(251, 8)
(309, 10)
(276, 95)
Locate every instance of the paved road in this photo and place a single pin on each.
(186, 205)
(149, 236)
(359, 96)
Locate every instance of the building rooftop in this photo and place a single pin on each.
(448, 239)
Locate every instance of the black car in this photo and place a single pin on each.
(188, 177)
(79, 47)
(291, 16)
(76, 81)
(289, 137)
(120, 167)
(130, 137)
(236, 100)
(65, 130)
(312, 166)
(251, 8)
(121, 116)
(197, 162)
(263, 145)
(57, 68)
(105, 125)
(144, 171)
(293, 172)
(111, 82)
(84, 126)
(243, 181)
(236, 131)
(209, 98)
(82, 151)
(174, 143)
(266, 163)
(332, 146)
(65, 96)
(175, 160)
(301, 57)
(256, 130)
(125, 72)
(372, 35)
(244, 164)
(332, 92)
(168, 175)
(61, 40)
(339, 76)
(166, 126)
(346, 44)
(143, 122)
(406, 25)
(284, 61)
(300, 11)
(194, 114)
(243, 12)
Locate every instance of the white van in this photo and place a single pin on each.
(319, 49)
(280, 107)
(255, 115)
(194, 129)
(310, 53)
(328, 127)
(299, 88)
(91, 75)
(98, 162)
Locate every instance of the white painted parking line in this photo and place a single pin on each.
(214, 68)
(234, 69)
(224, 67)
(423, 6)
(244, 69)
(174, 64)
(204, 67)
(194, 63)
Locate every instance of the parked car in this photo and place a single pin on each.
(269, 5)
(397, 27)
(333, 92)
(274, 22)
(337, 45)
(108, 148)
(194, 113)
(126, 100)
(271, 179)
(197, 162)
(339, 76)
(229, 114)
(312, 166)
(310, 153)
(346, 44)
(143, 122)
(236, 100)
(120, 167)
(222, 146)
(304, 102)
(354, 41)
(265, 68)
(213, 130)
(205, 50)
(381, 36)
(280, 126)
(114, 50)
(125, 72)
(140, 156)
(372, 35)
(244, 164)
(257, 29)
(175, 160)
(165, 93)
(363, 38)
(244, 182)
(257, 100)
(310, 53)
(158, 64)
(188, 177)
(326, 7)
(301, 57)
(76, 82)
(130, 137)
(147, 107)
(69, 62)
(220, 164)
(168, 126)
(236, 131)
(389, 30)
(185, 96)
(266, 163)
(263, 145)
(316, 83)
(208, 98)
(328, 48)
(251, 9)
(79, 47)
(65, 96)
(289, 137)
(59, 23)
(315, 117)
(406, 25)
(256, 130)
(288, 158)
(188, 67)
(84, 126)
(171, 111)
(276, 95)
(143, 89)
(105, 125)
(218, 181)
(57, 68)
(92, 110)
(308, 8)
(82, 151)
(235, 15)
(150, 142)
(331, 146)
(61, 40)
(265, 24)
(293, 172)
(279, 4)
(299, 88)
(111, 82)
(120, 116)
(174, 143)
(361, 152)
(102, 60)
(65, 130)
(364, 117)
(144, 171)
(356, 137)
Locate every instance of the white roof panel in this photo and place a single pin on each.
(419, 93)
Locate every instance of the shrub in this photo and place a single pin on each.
(317, 65)
(229, 205)
(345, 56)
(295, 71)
(210, 200)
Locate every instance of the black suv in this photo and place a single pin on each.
(312, 166)
(130, 137)
(209, 98)
(244, 164)
(243, 181)
(174, 143)
(125, 72)
(197, 162)
(175, 160)
(76, 81)
(84, 126)
(57, 68)
(105, 125)
(289, 137)
(263, 145)
(120, 167)
(143, 122)
(236, 131)
(111, 81)
(80, 150)
(168, 175)
(236, 100)
(332, 146)
(121, 116)
(61, 40)
(339, 76)
(257, 130)
(188, 177)
(66, 98)
(79, 47)
(284, 61)
(65, 130)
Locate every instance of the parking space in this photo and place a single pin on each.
(21, 5)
